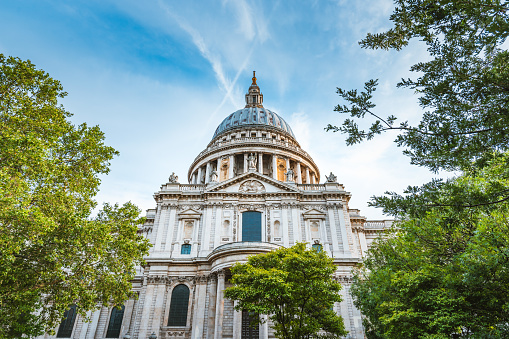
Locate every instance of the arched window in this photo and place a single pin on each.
(117, 314)
(178, 306)
(67, 324)
(185, 249)
(251, 226)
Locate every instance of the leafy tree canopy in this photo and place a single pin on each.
(444, 273)
(464, 88)
(295, 287)
(53, 253)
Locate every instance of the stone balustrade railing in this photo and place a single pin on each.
(258, 140)
(378, 224)
(311, 187)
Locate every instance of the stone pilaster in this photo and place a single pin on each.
(199, 309)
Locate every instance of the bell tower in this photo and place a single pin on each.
(254, 98)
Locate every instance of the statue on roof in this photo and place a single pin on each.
(331, 178)
(173, 179)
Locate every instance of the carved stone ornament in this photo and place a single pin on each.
(174, 179)
(331, 178)
(252, 186)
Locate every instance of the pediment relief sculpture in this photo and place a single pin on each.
(252, 186)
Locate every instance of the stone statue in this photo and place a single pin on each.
(251, 161)
(331, 178)
(290, 175)
(213, 176)
(174, 179)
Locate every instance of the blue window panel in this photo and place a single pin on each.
(252, 226)
(185, 249)
(117, 314)
(317, 247)
(178, 306)
(67, 324)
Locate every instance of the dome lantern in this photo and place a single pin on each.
(254, 98)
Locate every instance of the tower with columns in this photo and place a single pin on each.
(251, 190)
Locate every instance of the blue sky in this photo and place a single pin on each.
(159, 76)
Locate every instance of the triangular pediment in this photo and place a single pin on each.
(252, 183)
(189, 214)
(313, 214)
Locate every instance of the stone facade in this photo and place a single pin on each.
(197, 229)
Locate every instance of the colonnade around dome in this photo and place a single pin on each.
(275, 153)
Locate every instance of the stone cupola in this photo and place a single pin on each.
(254, 98)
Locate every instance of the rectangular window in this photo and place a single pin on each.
(250, 326)
(252, 226)
(185, 249)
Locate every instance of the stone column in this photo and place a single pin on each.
(260, 162)
(212, 306)
(264, 328)
(218, 169)
(287, 166)
(274, 166)
(298, 174)
(307, 176)
(245, 162)
(312, 178)
(237, 321)
(232, 164)
(218, 332)
(193, 178)
(207, 173)
(198, 180)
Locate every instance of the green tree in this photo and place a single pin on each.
(294, 286)
(464, 88)
(442, 272)
(445, 272)
(53, 252)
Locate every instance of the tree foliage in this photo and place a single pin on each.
(443, 272)
(53, 253)
(294, 286)
(464, 88)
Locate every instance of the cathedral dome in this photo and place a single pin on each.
(253, 117)
(253, 139)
